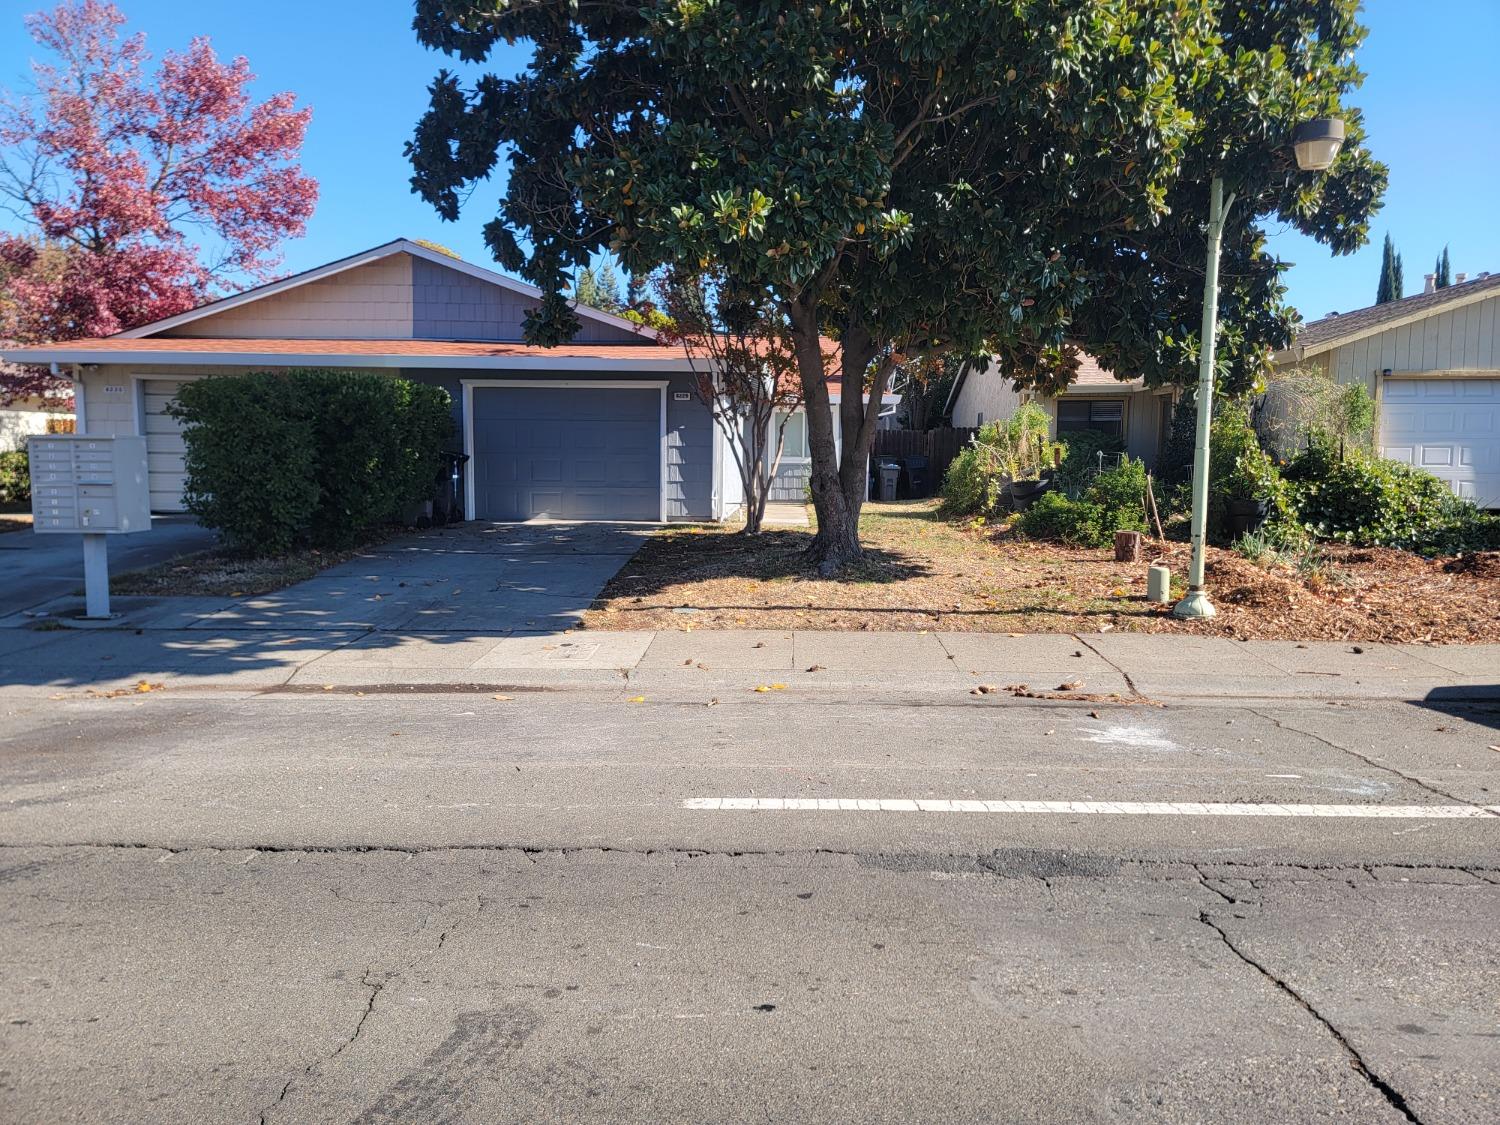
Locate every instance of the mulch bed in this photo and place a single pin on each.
(923, 573)
(1359, 594)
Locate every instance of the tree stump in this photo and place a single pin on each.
(1127, 546)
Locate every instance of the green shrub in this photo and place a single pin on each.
(1374, 502)
(1080, 460)
(972, 483)
(276, 460)
(1053, 516)
(1115, 501)
(1014, 448)
(15, 477)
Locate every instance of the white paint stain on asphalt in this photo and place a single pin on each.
(1134, 738)
(1104, 808)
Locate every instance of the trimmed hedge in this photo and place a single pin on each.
(277, 460)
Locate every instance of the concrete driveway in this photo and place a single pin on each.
(481, 578)
(38, 568)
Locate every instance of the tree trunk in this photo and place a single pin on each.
(838, 487)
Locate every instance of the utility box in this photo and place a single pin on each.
(96, 485)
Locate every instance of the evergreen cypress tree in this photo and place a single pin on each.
(1443, 270)
(1390, 287)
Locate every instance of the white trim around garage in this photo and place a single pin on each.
(468, 386)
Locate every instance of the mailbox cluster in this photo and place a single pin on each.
(89, 484)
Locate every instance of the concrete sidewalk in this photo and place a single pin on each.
(697, 666)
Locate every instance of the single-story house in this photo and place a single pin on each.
(1432, 363)
(24, 417)
(606, 427)
(1096, 400)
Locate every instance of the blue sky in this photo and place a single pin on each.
(1428, 102)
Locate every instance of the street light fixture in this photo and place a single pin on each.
(1316, 144)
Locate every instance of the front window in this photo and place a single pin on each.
(1107, 415)
(795, 446)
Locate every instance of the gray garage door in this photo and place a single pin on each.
(577, 453)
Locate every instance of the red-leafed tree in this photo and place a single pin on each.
(113, 172)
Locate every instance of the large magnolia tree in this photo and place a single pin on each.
(911, 176)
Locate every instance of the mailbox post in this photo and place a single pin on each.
(94, 485)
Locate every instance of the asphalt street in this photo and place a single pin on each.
(560, 906)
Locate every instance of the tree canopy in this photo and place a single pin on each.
(914, 175)
(119, 173)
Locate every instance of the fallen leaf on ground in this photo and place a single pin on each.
(817, 668)
(1069, 685)
(636, 699)
(503, 698)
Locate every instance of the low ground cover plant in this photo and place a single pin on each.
(279, 460)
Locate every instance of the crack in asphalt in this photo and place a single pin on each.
(1001, 863)
(1371, 762)
(1391, 1095)
(376, 984)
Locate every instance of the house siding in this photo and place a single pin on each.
(368, 302)
(1462, 340)
(396, 298)
(449, 305)
(689, 475)
(985, 393)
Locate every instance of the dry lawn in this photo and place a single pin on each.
(922, 572)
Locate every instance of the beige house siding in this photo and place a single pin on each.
(368, 302)
(1463, 341)
(985, 397)
(396, 298)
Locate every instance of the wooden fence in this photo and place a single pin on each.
(940, 447)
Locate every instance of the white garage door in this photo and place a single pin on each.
(164, 444)
(1450, 427)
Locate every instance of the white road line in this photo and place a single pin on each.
(1108, 808)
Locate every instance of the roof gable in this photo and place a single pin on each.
(472, 274)
(1337, 329)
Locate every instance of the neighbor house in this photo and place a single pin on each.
(1432, 363)
(606, 427)
(24, 417)
(1096, 400)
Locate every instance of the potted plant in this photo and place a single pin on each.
(1252, 491)
(1026, 454)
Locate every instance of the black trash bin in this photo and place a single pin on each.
(888, 478)
(916, 477)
